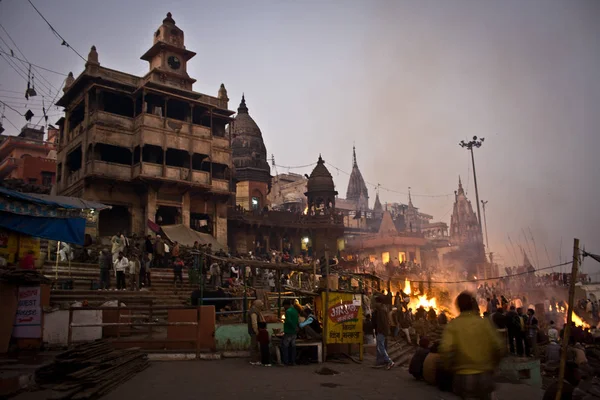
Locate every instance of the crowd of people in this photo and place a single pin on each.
(299, 321)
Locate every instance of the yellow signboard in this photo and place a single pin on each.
(27, 244)
(12, 242)
(344, 315)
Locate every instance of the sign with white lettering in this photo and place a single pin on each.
(345, 318)
(28, 320)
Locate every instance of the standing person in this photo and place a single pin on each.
(159, 252)
(121, 265)
(495, 303)
(175, 251)
(290, 331)
(368, 330)
(105, 267)
(382, 327)
(178, 272)
(552, 332)
(522, 342)
(263, 341)
(472, 349)
(215, 274)
(134, 272)
(532, 331)
(149, 248)
(271, 279)
(116, 245)
(28, 262)
(143, 281)
(513, 327)
(254, 318)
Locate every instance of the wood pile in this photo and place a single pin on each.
(91, 370)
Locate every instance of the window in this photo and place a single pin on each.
(47, 178)
(385, 257)
(255, 203)
(401, 256)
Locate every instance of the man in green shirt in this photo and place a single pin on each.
(290, 331)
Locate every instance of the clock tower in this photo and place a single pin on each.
(168, 57)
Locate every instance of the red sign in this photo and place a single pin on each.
(342, 312)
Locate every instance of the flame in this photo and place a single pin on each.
(578, 321)
(305, 211)
(549, 308)
(423, 301)
(407, 289)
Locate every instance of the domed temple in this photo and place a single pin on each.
(252, 174)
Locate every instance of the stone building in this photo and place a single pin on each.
(464, 225)
(296, 232)
(357, 191)
(28, 158)
(149, 146)
(252, 172)
(287, 192)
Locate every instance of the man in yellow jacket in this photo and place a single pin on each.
(471, 348)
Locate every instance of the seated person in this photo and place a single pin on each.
(569, 390)
(434, 372)
(416, 363)
(311, 326)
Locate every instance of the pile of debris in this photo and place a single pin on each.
(22, 276)
(91, 370)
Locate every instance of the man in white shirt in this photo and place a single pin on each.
(121, 265)
(552, 333)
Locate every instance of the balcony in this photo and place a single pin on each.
(73, 177)
(73, 133)
(149, 120)
(201, 177)
(8, 165)
(220, 184)
(148, 169)
(222, 143)
(110, 120)
(178, 173)
(201, 131)
(111, 170)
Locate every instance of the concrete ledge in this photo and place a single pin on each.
(236, 354)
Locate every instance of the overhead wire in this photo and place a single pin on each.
(64, 42)
(33, 65)
(22, 54)
(44, 89)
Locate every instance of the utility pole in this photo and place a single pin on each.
(565, 343)
(326, 307)
(476, 142)
(487, 244)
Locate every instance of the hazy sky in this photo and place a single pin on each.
(404, 80)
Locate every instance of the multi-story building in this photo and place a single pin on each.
(28, 158)
(149, 146)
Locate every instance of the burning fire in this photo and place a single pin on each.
(578, 321)
(574, 317)
(419, 301)
(407, 289)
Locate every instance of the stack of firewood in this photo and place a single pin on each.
(90, 370)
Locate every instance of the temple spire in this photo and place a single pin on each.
(354, 164)
(460, 186)
(410, 204)
(242, 109)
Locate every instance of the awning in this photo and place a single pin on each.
(70, 230)
(187, 236)
(56, 201)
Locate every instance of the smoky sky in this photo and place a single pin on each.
(404, 81)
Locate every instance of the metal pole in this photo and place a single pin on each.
(565, 343)
(326, 308)
(201, 272)
(278, 294)
(476, 190)
(245, 301)
(487, 243)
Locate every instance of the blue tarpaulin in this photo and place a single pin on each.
(70, 230)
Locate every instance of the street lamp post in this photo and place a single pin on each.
(487, 243)
(476, 142)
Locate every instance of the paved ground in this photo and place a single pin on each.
(236, 379)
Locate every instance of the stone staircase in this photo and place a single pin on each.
(86, 278)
